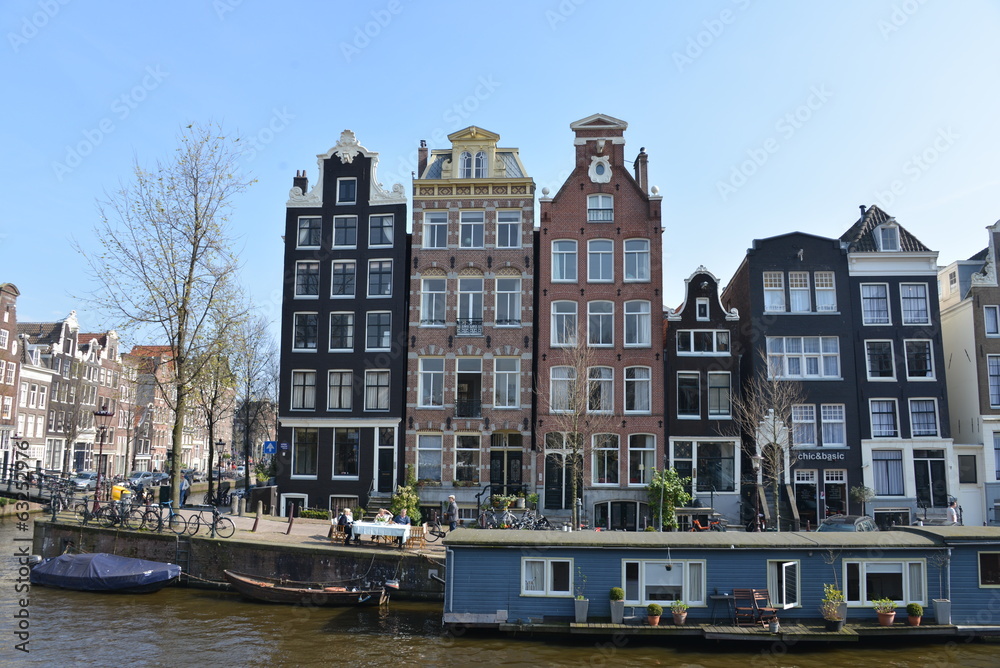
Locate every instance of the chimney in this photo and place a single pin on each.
(422, 158)
(640, 170)
(300, 181)
(862, 207)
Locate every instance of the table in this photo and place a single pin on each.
(730, 605)
(381, 529)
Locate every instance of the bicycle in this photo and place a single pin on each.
(175, 521)
(220, 526)
(434, 530)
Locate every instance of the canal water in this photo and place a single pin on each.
(183, 627)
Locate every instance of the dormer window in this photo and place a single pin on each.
(888, 237)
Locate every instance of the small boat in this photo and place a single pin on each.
(280, 590)
(105, 573)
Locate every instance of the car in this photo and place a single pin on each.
(141, 478)
(85, 480)
(848, 523)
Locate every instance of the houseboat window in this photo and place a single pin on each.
(901, 581)
(783, 583)
(989, 569)
(664, 581)
(546, 577)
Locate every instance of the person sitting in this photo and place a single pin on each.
(346, 520)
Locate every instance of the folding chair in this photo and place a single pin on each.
(743, 606)
(765, 611)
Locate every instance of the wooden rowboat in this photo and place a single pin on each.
(280, 590)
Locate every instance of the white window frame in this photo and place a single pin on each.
(565, 260)
(548, 585)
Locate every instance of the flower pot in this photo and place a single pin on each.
(580, 607)
(886, 618)
(654, 620)
(834, 624)
(617, 612)
(913, 621)
(680, 618)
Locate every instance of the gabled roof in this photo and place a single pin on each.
(860, 238)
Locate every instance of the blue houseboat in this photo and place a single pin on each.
(500, 579)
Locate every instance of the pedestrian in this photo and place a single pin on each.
(452, 513)
(952, 513)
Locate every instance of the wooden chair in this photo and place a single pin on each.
(744, 609)
(765, 611)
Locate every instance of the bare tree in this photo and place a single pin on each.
(763, 415)
(579, 409)
(166, 262)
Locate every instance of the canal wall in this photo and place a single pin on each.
(203, 559)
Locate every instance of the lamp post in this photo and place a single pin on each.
(101, 419)
(755, 462)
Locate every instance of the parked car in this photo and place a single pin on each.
(848, 523)
(85, 480)
(141, 478)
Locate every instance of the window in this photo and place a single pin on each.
(915, 306)
(638, 389)
(310, 232)
(600, 260)
(508, 229)
(798, 291)
(429, 457)
(341, 331)
(546, 577)
(701, 308)
(884, 421)
(379, 278)
(871, 579)
(605, 465)
(339, 386)
(467, 457)
(564, 261)
(783, 584)
(305, 451)
(993, 371)
(345, 231)
(432, 382)
(991, 320)
(470, 306)
(887, 468)
(664, 582)
(307, 279)
(803, 425)
(600, 323)
(508, 302)
(600, 389)
(688, 395)
(345, 452)
(470, 234)
(304, 390)
(888, 238)
(380, 230)
(637, 260)
(507, 382)
(562, 389)
(989, 569)
(637, 324)
(880, 360)
(875, 303)
(342, 278)
(432, 302)
(923, 417)
(702, 342)
(719, 401)
(347, 191)
(564, 323)
(826, 291)
(376, 390)
(774, 291)
(600, 208)
(919, 361)
(834, 433)
(807, 357)
(306, 326)
(378, 331)
(435, 229)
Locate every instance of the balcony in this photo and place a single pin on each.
(470, 408)
(469, 327)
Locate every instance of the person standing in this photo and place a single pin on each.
(952, 513)
(452, 513)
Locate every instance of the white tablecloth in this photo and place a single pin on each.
(381, 529)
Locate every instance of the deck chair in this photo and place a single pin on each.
(765, 611)
(744, 609)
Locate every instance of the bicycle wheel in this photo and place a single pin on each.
(151, 520)
(224, 527)
(177, 524)
(193, 524)
(135, 519)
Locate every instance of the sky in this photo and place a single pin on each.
(759, 119)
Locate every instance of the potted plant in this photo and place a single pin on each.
(617, 597)
(653, 612)
(914, 611)
(833, 607)
(679, 609)
(886, 609)
(580, 604)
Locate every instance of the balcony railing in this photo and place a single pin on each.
(472, 408)
(470, 327)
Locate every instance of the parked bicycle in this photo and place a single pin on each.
(219, 525)
(154, 521)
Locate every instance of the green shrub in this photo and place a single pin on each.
(654, 610)
(617, 594)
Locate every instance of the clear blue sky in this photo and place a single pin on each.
(758, 118)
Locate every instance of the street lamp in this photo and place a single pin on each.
(102, 419)
(755, 462)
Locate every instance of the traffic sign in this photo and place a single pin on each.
(270, 447)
